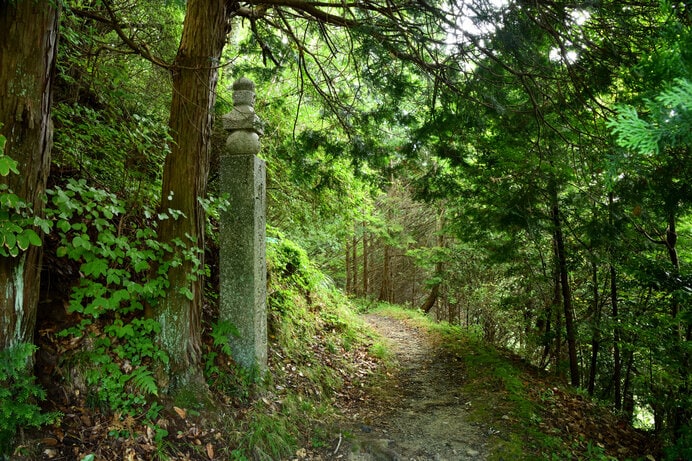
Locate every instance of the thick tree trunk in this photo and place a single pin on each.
(28, 46)
(195, 74)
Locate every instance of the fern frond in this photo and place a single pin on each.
(143, 380)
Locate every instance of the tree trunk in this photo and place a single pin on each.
(349, 289)
(194, 74)
(385, 287)
(354, 260)
(617, 362)
(627, 393)
(431, 299)
(566, 292)
(28, 46)
(596, 338)
(440, 240)
(366, 274)
(545, 359)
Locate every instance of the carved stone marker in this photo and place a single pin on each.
(243, 265)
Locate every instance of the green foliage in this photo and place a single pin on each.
(289, 263)
(682, 448)
(668, 123)
(120, 150)
(19, 395)
(220, 375)
(17, 221)
(221, 333)
(123, 270)
(7, 164)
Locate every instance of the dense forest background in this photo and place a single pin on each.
(521, 169)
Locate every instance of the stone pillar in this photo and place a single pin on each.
(243, 266)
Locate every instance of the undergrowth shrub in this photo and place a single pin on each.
(289, 264)
(19, 395)
(123, 269)
(94, 139)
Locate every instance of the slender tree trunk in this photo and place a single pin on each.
(680, 416)
(558, 333)
(596, 338)
(561, 257)
(354, 261)
(546, 334)
(385, 287)
(185, 173)
(349, 288)
(617, 362)
(431, 299)
(28, 48)
(628, 397)
(366, 273)
(435, 290)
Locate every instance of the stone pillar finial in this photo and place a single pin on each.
(243, 92)
(243, 125)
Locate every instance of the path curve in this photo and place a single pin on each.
(428, 417)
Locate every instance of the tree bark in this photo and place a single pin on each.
(561, 258)
(596, 338)
(431, 299)
(386, 286)
(354, 260)
(194, 74)
(28, 48)
(348, 268)
(440, 240)
(617, 361)
(366, 274)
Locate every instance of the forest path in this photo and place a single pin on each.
(423, 415)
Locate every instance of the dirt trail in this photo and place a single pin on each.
(425, 415)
